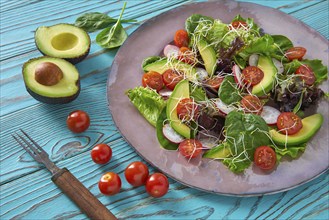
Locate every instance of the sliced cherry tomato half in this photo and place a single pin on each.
(153, 80)
(238, 24)
(295, 53)
(265, 157)
(190, 148)
(157, 185)
(289, 123)
(137, 173)
(214, 82)
(252, 75)
(101, 153)
(110, 184)
(251, 104)
(187, 109)
(186, 55)
(181, 38)
(307, 74)
(171, 78)
(78, 121)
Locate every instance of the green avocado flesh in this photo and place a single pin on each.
(311, 125)
(180, 92)
(64, 91)
(218, 152)
(208, 55)
(269, 70)
(63, 41)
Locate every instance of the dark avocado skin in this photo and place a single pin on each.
(52, 100)
(73, 60)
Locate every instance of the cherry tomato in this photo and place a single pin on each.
(238, 24)
(295, 53)
(181, 38)
(252, 75)
(171, 78)
(289, 122)
(187, 109)
(307, 74)
(157, 185)
(265, 157)
(101, 153)
(190, 148)
(214, 82)
(78, 121)
(251, 104)
(186, 55)
(110, 184)
(153, 80)
(137, 173)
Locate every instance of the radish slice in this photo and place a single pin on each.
(171, 134)
(237, 75)
(270, 115)
(222, 107)
(253, 59)
(165, 92)
(171, 51)
(201, 73)
(278, 65)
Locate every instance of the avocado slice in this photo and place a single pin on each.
(266, 84)
(218, 152)
(163, 64)
(64, 90)
(311, 125)
(208, 55)
(180, 92)
(63, 41)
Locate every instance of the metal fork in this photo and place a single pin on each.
(64, 179)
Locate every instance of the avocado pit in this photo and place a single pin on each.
(48, 74)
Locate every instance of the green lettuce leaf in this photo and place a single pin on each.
(196, 20)
(228, 91)
(249, 21)
(148, 102)
(292, 151)
(197, 93)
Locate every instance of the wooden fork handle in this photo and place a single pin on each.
(79, 194)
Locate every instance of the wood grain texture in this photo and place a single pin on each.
(26, 188)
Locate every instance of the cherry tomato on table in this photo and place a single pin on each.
(171, 78)
(295, 53)
(157, 185)
(187, 109)
(78, 121)
(214, 82)
(251, 104)
(238, 24)
(137, 173)
(190, 148)
(181, 38)
(289, 122)
(101, 153)
(109, 184)
(252, 75)
(265, 157)
(153, 80)
(307, 74)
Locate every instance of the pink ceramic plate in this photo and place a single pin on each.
(212, 176)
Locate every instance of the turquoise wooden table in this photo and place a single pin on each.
(26, 189)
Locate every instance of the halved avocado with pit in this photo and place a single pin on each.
(63, 41)
(51, 80)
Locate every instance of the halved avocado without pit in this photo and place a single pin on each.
(51, 80)
(63, 41)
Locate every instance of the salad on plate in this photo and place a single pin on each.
(232, 93)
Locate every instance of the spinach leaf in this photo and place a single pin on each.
(93, 21)
(114, 36)
(320, 71)
(282, 42)
(148, 102)
(228, 91)
(244, 133)
(164, 142)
